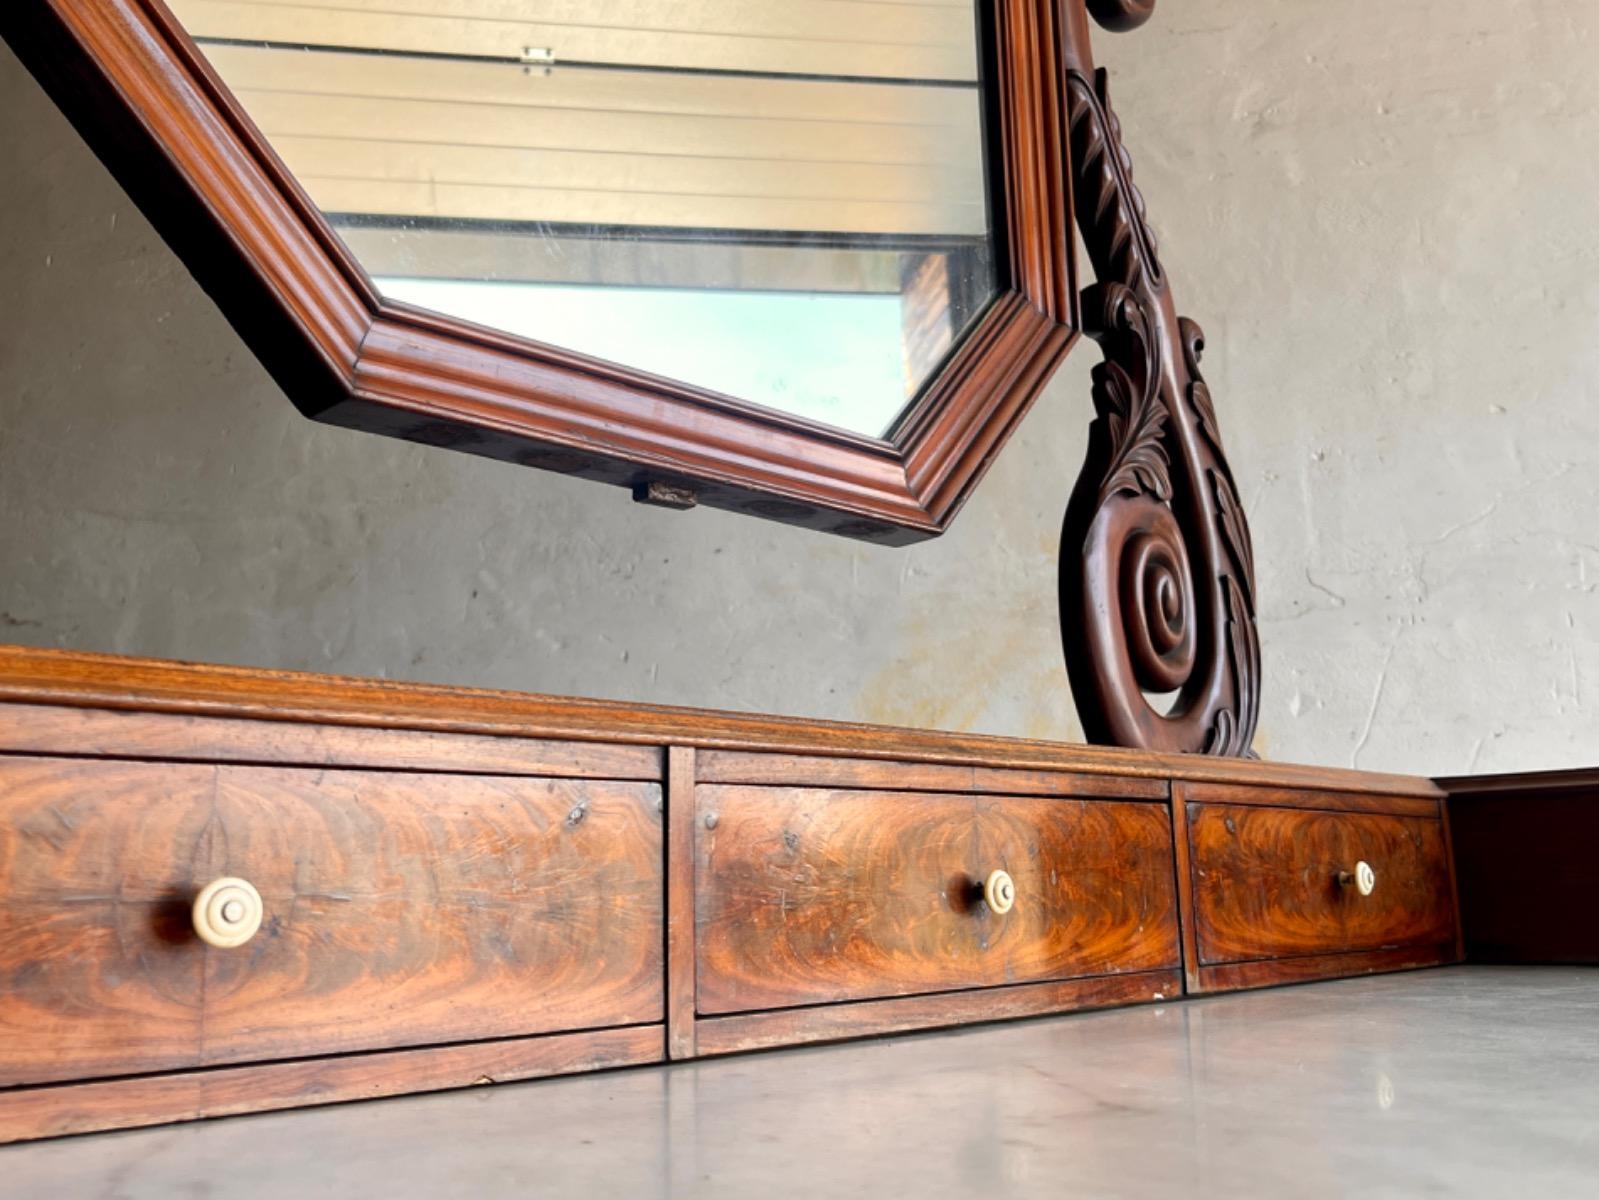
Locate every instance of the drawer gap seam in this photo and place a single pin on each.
(962, 991)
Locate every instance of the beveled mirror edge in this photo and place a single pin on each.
(144, 99)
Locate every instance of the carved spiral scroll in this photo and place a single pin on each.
(1157, 571)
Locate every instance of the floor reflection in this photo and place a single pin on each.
(1467, 1081)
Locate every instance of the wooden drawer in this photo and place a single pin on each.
(401, 909)
(1267, 882)
(810, 896)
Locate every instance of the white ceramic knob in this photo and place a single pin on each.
(227, 913)
(1000, 892)
(1363, 879)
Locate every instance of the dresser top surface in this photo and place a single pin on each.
(59, 677)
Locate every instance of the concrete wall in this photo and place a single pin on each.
(1384, 216)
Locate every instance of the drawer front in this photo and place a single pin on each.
(811, 896)
(399, 909)
(1267, 882)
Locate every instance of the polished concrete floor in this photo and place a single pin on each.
(1457, 1082)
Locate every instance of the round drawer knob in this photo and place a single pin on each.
(1363, 879)
(227, 912)
(1000, 892)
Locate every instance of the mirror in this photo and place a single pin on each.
(783, 203)
(808, 262)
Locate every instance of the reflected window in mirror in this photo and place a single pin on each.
(783, 203)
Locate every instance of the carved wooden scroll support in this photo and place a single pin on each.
(1157, 578)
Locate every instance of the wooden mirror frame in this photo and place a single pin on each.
(145, 99)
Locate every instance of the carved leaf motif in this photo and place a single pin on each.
(1140, 464)
(1243, 647)
(1235, 532)
(1127, 394)
(1204, 409)
(1223, 733)
(1193, 338)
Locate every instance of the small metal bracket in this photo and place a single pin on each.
(665, 495)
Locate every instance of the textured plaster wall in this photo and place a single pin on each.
(1386, 216)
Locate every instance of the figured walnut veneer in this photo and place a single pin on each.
(806, 896)
(1267, 882)
(401, 909)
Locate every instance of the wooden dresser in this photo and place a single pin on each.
(224, 891)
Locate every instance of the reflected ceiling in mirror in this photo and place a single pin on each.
(785, 203)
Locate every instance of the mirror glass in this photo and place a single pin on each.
(782, 201)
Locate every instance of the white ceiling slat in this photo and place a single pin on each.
(262, 69)
(401, 136)
(810, 37)
(685, 175)
(483, 202)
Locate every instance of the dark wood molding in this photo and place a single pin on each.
(869, 1018)
(1526, 866)
(732, 766)
(1157, 579)
(27, 1113)
(60, 731)
(143, 96)
(1272, 972)
(152, 686)
(1576, 780)
(1312, 798)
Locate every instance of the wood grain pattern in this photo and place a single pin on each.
(1266, 882)
(89, 732)
(1183, 870)
(1527, 861)
(44, 1112)
(834, 1022)
(1308, 797)
(728, 766)
(1271, 972)
(400, 910)
(76, 679)
(680, 947)
(809, 896)
(135, 86)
